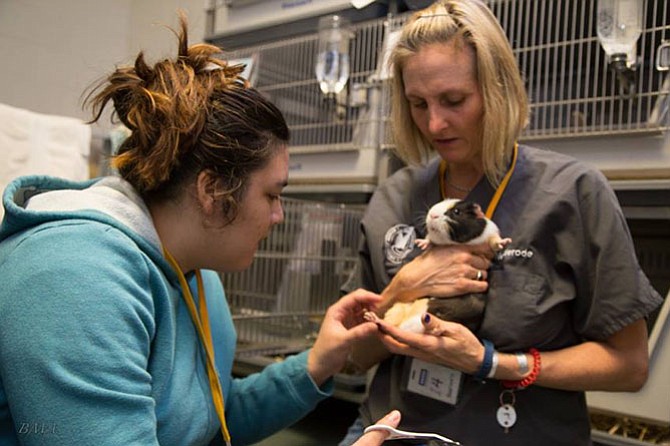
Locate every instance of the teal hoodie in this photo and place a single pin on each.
(96, 343)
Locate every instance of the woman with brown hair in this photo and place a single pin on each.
(114, 327)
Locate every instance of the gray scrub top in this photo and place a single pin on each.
(569, 275)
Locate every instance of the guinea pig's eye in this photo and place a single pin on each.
(457, 211)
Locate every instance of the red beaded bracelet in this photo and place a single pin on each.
(531, 378)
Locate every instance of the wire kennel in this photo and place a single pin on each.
(576, 98)
(277, 303)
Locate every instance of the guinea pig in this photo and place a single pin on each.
(449, 222)
(452, 221)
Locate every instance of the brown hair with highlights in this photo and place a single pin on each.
(191, 114)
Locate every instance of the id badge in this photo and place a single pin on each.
(433, 381)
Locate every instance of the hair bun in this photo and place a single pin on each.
(122, 102)
(143, 71)
(130, 81)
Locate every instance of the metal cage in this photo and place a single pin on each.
(278, 302)
(571, 88)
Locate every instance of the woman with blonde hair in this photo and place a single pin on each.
(566, 301)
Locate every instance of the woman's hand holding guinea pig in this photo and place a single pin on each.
(444, 342)
(442, 271)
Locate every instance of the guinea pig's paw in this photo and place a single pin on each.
(422, 243)
(500, 243)
(504, 242)
(371, 316)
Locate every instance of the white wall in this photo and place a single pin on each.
(148, 21)
(52, 50)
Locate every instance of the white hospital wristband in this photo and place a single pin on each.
(494, 365)
(523, 363)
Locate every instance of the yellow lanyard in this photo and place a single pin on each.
(201, 323)
(499, 191)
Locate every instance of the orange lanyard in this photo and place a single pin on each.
(499, 191)
(201, 323)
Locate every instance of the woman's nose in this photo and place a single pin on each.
(278, 213)
(436, 121)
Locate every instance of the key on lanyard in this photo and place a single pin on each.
(506, 414)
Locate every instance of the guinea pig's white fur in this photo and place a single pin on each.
(438, 224)
(407, 315)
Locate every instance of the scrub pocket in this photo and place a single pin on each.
(520, 305)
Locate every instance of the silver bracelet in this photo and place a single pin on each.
(523, 363)
(494, 365)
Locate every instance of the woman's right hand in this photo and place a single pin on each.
(441, 271)
(342, 326)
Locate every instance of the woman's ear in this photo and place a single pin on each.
(205, 189)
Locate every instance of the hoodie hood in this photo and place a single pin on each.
(34, 200)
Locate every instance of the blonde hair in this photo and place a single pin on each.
(186, 115)
(505, 101)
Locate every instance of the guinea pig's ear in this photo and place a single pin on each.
(478, 211)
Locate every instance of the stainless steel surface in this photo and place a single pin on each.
(234, 24)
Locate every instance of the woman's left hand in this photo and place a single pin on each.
(442, 271)
(342, 325)
(446, 343)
